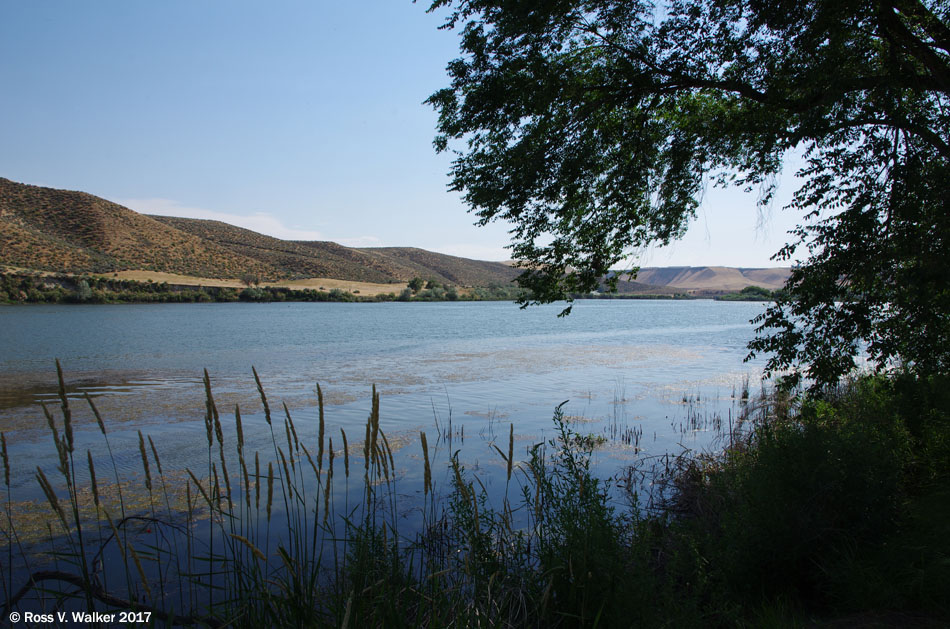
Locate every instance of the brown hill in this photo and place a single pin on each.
(713, 278)
(443, 267)
(75, 232)
(297, 259)
(63, 230)
(292, 259)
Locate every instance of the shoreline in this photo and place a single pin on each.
(36, 287)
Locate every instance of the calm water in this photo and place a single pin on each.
(621, 364)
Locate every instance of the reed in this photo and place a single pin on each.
(561, 555)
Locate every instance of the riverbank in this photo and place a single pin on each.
(128, 287)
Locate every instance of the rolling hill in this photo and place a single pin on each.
(75, 232)
(712, 278)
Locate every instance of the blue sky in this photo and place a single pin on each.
(298, 119)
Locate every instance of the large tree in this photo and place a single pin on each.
(593, 126)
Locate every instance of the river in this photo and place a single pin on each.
(620, 365)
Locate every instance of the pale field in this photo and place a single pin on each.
(364, 288)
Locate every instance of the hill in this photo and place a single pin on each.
(292, 259)
(75, 232)
(713, 278)
(446, 268)
(299, 259)
(67, 231)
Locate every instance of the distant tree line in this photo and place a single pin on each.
(68, 289)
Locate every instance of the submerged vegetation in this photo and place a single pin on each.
(820, 506)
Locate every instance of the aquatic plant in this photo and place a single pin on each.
(277, 538)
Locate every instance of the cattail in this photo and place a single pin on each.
(209, 413)
(257, 482)
(389, 451)
(218, 429)
(148, 474)
(310, 460)
(283, 460)
(226, 474)
(293, 429)
(254, 549)
(346, 454)
(427, 478)
(138, 565)
(158, 461)
(320, 428)
(290, 445)
(216, 488)
(60, 443)
(366, 447)
(374, 419)
(260, 390)
(95, 411)
(247, 485)
(50, 495)
(270, 488)
(382, 461)
(67, 414)
(6, 459)
(326, 489)
(240, 429)
(92, 479)
(200, 487)
(511, 449)
(115, 535)
(50, 421)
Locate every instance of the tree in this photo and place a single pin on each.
(592, 127)
(416, 284)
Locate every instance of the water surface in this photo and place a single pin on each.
(620, 364)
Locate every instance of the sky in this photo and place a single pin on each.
(298, 119)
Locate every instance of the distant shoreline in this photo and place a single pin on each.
(48, 288)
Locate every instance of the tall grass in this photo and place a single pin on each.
(777, 522)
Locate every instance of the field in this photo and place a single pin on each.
(318, 283)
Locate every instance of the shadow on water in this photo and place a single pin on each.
(153, 519)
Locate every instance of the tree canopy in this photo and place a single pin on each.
(592, 126)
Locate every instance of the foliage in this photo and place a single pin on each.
(750, 293)
(820, 505)
(592, 125)
(251, 279)
(416, 284)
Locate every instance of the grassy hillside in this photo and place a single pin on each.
(301, 259)
(445, 268)
(63, 230)
(293, 259)
(75, 232)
